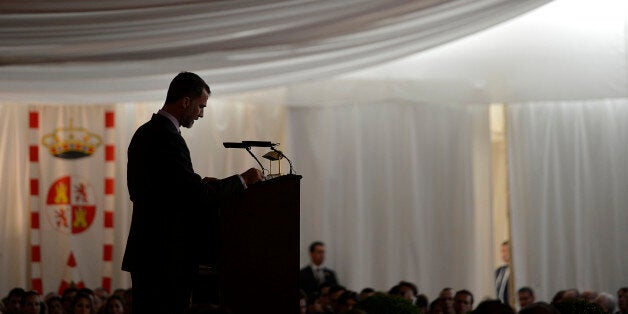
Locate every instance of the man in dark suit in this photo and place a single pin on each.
(171, 203)
(502, 275)
(316, 274)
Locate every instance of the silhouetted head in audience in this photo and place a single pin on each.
(571, 294)
(447, 294)
(493, 307)
(14, 301)
(68, 298)
(622, 299)
(346, 301)
(314, 304)
(525, 296)
(463, 301)
(366, 292)
(539, 308)
(438, 306)
(325, 297)
(82, 304)
(606, 301)
(114, 305)
(588, 295)
(334, 294)
(100, 297)
(31, 303)
(55, 305)
(408, 290)
(302, 302)
(422, 302)
(558, 297)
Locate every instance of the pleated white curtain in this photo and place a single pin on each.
(569, 179)
(398, 190)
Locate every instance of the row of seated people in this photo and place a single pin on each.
(71, 301)
(333, 298)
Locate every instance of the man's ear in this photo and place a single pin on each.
(186, 102)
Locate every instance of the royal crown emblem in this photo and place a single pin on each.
(71, 142)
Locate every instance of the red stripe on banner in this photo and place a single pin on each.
(33, 153)
(71, 260)
(109, 186)
(35, 220)
(110, 153)
(110, 119)
(35, 253)
(108, 219)
(106, 283)
(33, 119)
(108, 252)
(34, 187)
(37, 285)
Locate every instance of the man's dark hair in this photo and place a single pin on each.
(410, 285)
(623, 289)
(314, 244)
(467, 292)
(527, 290)
(186, 84)
(493, 307)
(367, 290)
(346, 296)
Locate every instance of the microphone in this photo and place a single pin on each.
(234, 145)
(259, 144)
(248, 149)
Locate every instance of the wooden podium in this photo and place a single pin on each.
(258, 264)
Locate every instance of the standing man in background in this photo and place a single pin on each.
(315, 274)
(172, 205)
(502, 275)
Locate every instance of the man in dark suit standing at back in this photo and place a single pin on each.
(502, 275)
(171, 203)
(316, 274)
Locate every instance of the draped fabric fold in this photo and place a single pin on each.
(128, 52)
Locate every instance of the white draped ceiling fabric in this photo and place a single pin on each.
(395, 159)
(116, 51)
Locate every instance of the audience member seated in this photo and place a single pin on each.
(606, 301)
(365, 293)
(539, 308)
(68, 298)
(13, 303)
(622, 300)
(493, 307)
(346, 301)
(525, 296)
(55, 305)
(447, 294)
(82, 304)
(422, 302)
(588, 296)
(31, 303)
(114, 305)
(334, 294)
(463, 302)
(314, 304)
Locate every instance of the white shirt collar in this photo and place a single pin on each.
(171, 118)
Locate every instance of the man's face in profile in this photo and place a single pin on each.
(194, 110)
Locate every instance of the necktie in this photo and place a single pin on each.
(320, 274)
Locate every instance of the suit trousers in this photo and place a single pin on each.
(161, 291)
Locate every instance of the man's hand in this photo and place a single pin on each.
(252, 175)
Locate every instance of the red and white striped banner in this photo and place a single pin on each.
(72, 168)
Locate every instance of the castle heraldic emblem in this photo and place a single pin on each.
(71, 142)
(71, 207)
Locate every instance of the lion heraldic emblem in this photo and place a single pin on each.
(71, 207)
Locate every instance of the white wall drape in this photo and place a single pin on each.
(397, 189)
(77, 52)
(569, 175)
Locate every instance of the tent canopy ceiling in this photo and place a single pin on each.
(93, 52)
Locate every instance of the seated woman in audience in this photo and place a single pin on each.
(31, 303)
(82, 304)
(114, 305)
(55, 305)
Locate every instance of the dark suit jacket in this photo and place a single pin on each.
(172, 206)
(309, 284)
(505, 296)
